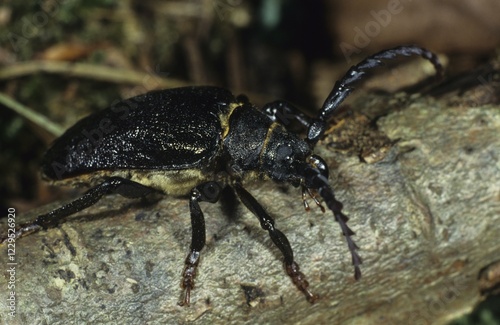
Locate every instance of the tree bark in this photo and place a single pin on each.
(426, 217)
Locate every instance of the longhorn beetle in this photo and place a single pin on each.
(177, 141)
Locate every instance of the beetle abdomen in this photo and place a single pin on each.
(171, 129)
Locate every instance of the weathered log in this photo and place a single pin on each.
(426, 217)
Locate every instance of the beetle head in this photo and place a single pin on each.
(283, 154)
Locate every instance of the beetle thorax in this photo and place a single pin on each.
(254, 143)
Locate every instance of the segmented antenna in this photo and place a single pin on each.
(345, 86)
(314, 179)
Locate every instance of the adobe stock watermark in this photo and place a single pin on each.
(223, 8)
(441, 301)
(90, 139)
(11, 266)
(119, 110)
(363, 37)
(488, 81)
(31, 25)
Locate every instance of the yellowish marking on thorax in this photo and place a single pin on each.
(224, 118)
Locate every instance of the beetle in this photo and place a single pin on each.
(178, 141)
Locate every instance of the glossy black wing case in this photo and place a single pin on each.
(170, 129)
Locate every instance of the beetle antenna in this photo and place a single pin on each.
(345, 86)
(314, 179)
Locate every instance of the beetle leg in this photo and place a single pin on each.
(206, 192)
(284, 113)
(304, 199)
(312, 196)
(117, 185)
(279, 239)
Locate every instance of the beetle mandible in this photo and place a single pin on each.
(177, 141)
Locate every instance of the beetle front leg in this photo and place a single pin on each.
(207, 192)
(279, 239)
(284, 113)
(116, 185)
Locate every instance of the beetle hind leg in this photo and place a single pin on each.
(206, 192)
(116, 185)
(279, 239)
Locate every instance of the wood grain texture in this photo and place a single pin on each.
(427, 219)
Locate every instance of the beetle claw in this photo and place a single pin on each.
(304, 199)
(186, 300)
(23, 230)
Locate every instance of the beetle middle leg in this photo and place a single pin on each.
(116, 185)
(206, 192)
(283, 112)
(279, 239)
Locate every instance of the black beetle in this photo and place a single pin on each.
(179, 141)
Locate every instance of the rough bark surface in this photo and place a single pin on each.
(426, 217)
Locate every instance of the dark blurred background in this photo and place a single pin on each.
(267, 49)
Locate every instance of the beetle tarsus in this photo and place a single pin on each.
(188, 276)
(27, 229)
(23, 230)
(313, 197)
(304, 200)
(299, 279)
